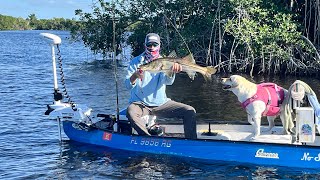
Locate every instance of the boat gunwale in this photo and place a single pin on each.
(201, 140)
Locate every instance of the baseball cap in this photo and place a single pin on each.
(152, 37)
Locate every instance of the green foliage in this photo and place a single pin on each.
(11, 23)
(32, 22)
(265, 30)
(184, 25)
(255, 34)
(96, 30)
(55, 23)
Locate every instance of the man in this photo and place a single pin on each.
(148, 92)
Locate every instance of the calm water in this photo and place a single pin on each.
(29, 143)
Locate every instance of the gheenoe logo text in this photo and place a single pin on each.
(261, 154)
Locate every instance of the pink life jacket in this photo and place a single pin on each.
(271, 94)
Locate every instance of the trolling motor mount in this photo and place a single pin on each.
(57, 95)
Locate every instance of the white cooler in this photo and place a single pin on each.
(305, 124)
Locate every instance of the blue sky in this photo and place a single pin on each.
(44, 9)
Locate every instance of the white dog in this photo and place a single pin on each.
(258, 100)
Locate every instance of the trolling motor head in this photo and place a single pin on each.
(51, 38)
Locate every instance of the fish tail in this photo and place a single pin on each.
(209, 71)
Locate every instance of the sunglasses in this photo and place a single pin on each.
(154, 44)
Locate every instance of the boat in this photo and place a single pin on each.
(215, 142)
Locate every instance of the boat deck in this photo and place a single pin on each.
(238, 133)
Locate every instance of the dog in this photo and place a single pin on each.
(258, 100)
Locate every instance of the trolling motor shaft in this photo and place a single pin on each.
(54, 40)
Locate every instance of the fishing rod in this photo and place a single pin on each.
(115, 67)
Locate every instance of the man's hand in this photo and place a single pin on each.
(136, 75)
(176, 67)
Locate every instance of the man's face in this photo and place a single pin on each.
(152, 46)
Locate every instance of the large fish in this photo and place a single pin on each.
(188, 65)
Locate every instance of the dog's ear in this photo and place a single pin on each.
(233, 78)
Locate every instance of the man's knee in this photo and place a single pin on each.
(131, 110)
(190, 110)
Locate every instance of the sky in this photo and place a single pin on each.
(44, 9)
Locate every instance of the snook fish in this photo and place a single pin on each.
(188, 65)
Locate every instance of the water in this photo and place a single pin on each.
(29, 144)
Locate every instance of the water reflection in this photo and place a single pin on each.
(80, 161)
(88, 161)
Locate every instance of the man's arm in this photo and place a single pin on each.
(138, 74)
(133, 73)
(131, 76)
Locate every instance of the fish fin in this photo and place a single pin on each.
(210, 70)
(191, 74)
(169, 73)
(172, 54)
(189, 58)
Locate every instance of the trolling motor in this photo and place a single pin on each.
(64, 111)
(54, 40)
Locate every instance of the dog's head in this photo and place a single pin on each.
(232, 82)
